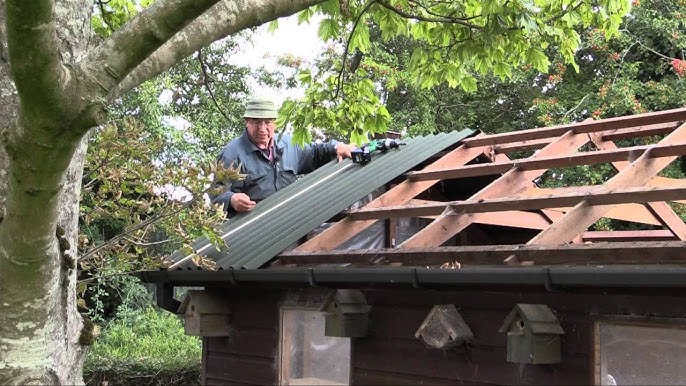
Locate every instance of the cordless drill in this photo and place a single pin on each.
(363, 154)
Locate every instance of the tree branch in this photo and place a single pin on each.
(35, 62)
(432, 13)
(126, 48)
(122, 236)
(339, 86)
(219, 22)
(435, 19)
(206, 82)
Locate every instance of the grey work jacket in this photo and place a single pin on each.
(264, 177)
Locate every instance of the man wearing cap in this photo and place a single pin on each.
(269, 166)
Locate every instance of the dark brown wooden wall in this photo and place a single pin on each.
(391, 354)
(248, 355)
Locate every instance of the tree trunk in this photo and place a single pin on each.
(64, 88)
(40, 328)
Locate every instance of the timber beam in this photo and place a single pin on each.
(584, 214)
(612, 135)
(583, 158)
(587, 126)
(656, 252)
(600, 196)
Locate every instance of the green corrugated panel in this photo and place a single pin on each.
(277, 222)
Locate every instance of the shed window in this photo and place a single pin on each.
(639, 354)
(308, 357)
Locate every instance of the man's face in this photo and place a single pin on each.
(261, 130)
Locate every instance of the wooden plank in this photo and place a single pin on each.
(253, 342)
(585, 214)
(515, 219)
(553, 215)
(241, 368)
(364, 376)
(534, 163)
(587, 126)
(657, 252)
(660, 209)
(664, 181)
(656, 182)
(626, 212)
(614, 236)
(518, 219)
(476, 364)
(403, 192)
(597, 197)
(511, 147)
(512, 182)
(669, 218)
(613, 135)
(640, 131)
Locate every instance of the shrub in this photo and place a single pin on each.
(144, 347)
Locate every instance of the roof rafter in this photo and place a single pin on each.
(585, 213)
(613, 135)
(538, 163)
(654, 252)
(403, 192)
(587, 126)
(660, 209)
(514, 181)
(597, 197)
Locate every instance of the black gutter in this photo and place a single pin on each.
(550, 278)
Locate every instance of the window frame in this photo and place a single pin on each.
(309, 308)
(625, 320)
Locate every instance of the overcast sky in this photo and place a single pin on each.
(299, 40)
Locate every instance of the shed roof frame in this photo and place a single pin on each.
(562, 216)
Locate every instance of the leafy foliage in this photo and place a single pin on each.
(195, 107)
(144, 347)
(136, 210)
(109, 15)
(451, 42)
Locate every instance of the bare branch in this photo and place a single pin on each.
(206, 82)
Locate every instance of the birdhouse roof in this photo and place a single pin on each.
(539, 318)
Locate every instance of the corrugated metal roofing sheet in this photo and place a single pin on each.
(282, 219)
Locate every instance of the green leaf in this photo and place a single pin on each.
(538, 59)
(302, 136)
(273, 26)
(305, 15)
(328, 29)
(360, 38)
(469, 83)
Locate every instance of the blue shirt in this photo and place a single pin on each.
(265, 177)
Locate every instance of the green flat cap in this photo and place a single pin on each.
(260, 108)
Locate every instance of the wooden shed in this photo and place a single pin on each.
(475, 234)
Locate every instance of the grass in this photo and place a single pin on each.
(144, 346)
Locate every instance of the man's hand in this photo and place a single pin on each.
(344, 150)
(242, 203)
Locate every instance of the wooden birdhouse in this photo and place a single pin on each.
(444, 328)
(533, 335)
(206, 313)
(347, 314)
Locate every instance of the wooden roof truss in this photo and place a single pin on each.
(562, 216)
